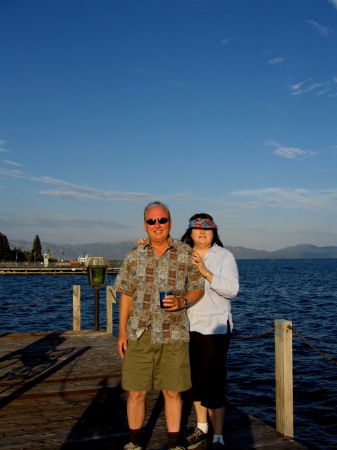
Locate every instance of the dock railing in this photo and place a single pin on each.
(283, 359)
(110, 300)
(283, 331)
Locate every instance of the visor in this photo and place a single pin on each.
(205, 224)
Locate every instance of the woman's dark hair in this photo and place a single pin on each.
(187, 236)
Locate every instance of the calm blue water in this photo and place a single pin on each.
(302, 291)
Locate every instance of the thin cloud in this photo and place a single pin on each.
(13, 173)
(277, 60)
(251, 199)
(57, 222)
(323, 31)
(226, 41)
(2, 148)
(277, 197)
(309, 86)
(294, 88)
(273, 60)
(303, 87)
(289, 152)
(11, 163)
(292, 153)
(67, 190)
(324, 91)
(334, 2)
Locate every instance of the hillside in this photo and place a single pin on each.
(118, 250)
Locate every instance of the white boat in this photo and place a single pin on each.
(83, 259)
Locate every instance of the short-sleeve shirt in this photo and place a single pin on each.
(143, 275)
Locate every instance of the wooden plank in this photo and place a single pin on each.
(62, 391)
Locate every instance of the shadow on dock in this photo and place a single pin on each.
(62, 391)
(39, 361)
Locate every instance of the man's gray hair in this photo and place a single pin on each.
(157, 204)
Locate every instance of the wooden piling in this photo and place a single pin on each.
(284, 378)
(76, 307)
(110, 299)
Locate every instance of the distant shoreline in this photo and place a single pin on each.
(52, 269)
(116, 251)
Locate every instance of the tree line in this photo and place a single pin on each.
(17, 254)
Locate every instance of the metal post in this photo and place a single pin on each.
(96, 288)
(97, 267)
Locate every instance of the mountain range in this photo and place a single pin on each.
(118, 250)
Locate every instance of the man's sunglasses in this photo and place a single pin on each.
(161, 220)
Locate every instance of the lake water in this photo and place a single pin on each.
(302, 291)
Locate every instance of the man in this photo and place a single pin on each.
(153, 342)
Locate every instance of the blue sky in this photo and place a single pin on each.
(219, 106)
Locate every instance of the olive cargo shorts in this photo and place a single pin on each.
(148, 366)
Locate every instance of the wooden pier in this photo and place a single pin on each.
(62, 391)
(51, 270)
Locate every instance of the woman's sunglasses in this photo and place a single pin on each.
(161, 220)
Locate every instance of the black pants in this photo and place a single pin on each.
(208, 357)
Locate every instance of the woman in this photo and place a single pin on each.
(210, 326)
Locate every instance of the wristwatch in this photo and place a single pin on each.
(185, 302)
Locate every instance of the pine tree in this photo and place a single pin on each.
(5, 251)
(36, 254)
(18, 255)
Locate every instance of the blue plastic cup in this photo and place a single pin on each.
(162, 295)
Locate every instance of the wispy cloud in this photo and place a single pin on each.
(2, 146)
(56, 222)
(226, 40)
(292, 153)
(289, 152)
(273, 60)
(11, 163)
(334, 2)
(291, 198)
(66, 190)
(241, 200)
(304, 87)
(307, 86)
(277, 60)
(13, 173)
(323, 31)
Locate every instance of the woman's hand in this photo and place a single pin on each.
(141, 241)
(199, 263)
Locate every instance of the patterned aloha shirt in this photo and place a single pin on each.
(143, 275)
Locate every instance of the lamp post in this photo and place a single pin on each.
(97, 270)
